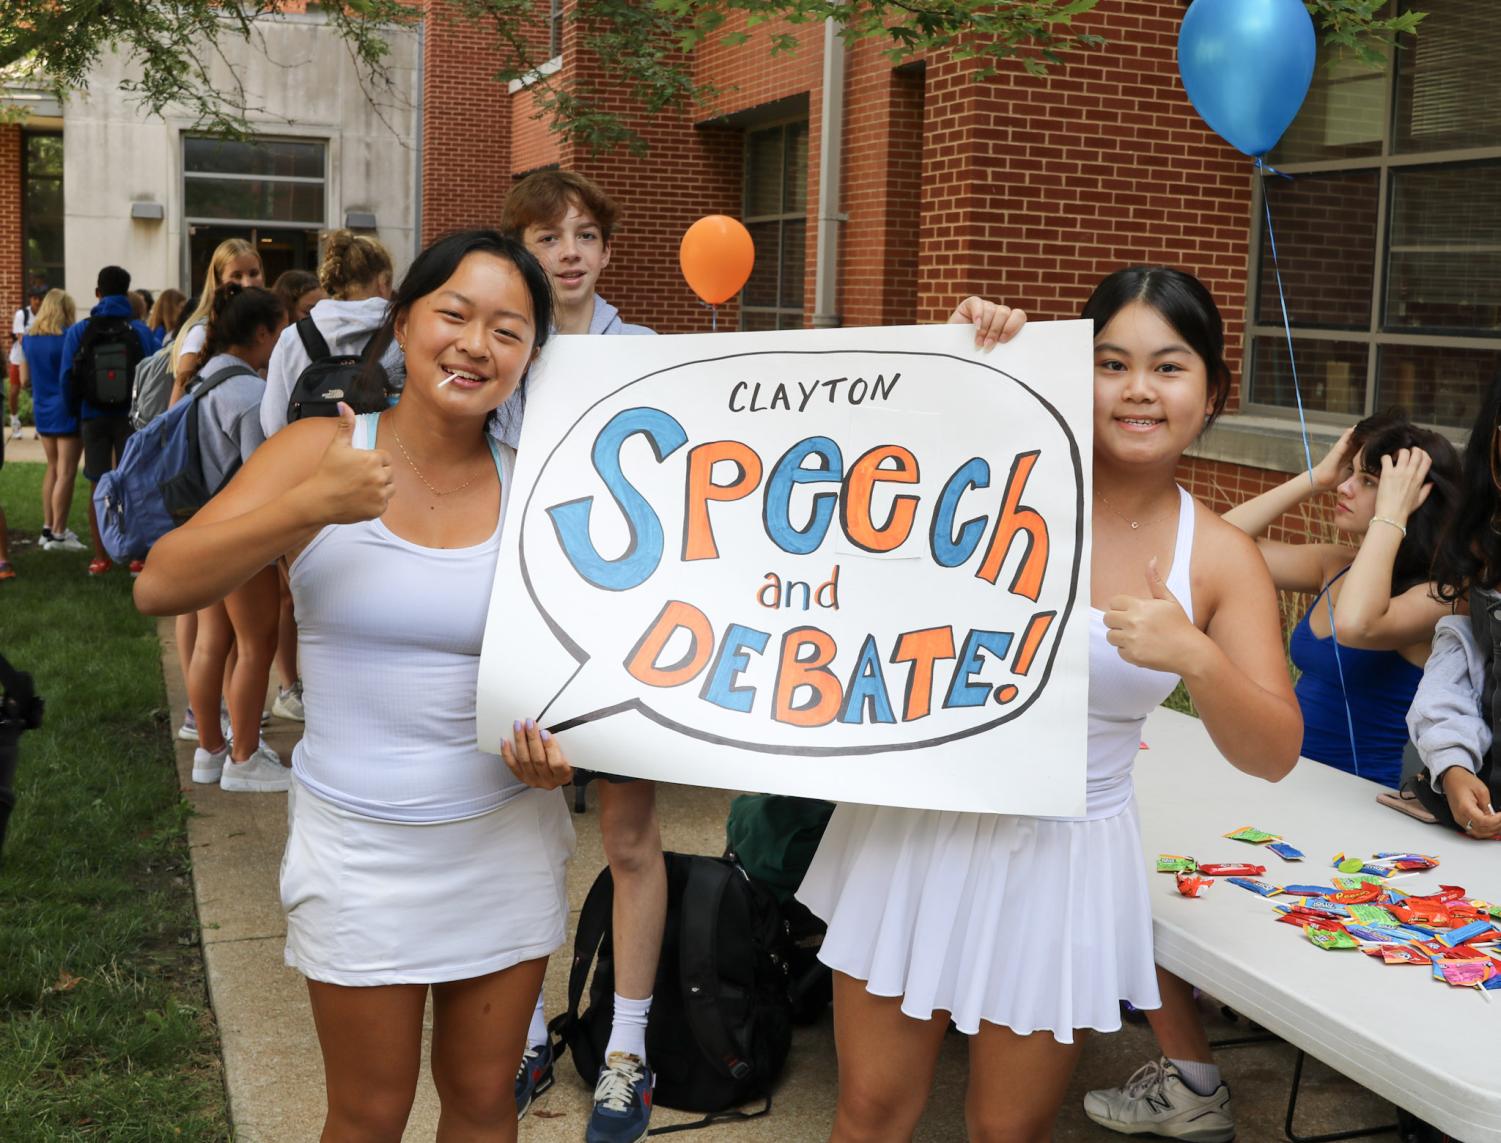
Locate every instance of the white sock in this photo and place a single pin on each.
(628, 1032)
(537, 1033)
(1202, 1079)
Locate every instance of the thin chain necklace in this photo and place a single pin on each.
(1135, 524)
(424, 479)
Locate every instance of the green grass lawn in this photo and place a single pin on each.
(105, 1031)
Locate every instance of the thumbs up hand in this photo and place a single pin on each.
(351, 484)
(1154, 632)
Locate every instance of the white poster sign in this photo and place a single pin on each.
(849, 564)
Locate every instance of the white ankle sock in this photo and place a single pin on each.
(1202, 1079)
(628, 1031)
(537, 1033)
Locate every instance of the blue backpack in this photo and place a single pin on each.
(159, 482)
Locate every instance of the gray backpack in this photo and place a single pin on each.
(153, 386)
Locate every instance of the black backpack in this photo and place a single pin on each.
(104, 367)
(355, 379)
(721, 1022)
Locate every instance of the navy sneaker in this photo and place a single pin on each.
(534, 1076)
(622, 1100)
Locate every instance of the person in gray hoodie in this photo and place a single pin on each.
(243, 326)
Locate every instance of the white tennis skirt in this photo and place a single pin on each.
(1033, 924)
(373, 902)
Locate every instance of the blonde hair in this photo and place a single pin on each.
(225, 253)
(168, 310)
(55, 315)
(351, 260)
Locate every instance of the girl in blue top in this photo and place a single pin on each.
(1395, 487)
(56, 425)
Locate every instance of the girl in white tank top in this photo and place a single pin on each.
(415, 860)
(1022, 929)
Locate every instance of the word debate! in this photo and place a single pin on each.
(810, 562)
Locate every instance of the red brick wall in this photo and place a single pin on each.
(466, 130)
(1222, 486)
(533, 143)
(1035, 188)
(12, 288)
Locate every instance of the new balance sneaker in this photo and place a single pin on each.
(261, 772)
(208, 765)
(1156, 1101)
(534, 1076)
(622, 1100)
(288, 703)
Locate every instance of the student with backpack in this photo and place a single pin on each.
(323, 352)
(99, 356)
(243, 325)
(355, 271)
(416, 863)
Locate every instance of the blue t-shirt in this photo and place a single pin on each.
(49, 401)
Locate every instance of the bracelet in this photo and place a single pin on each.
(1388, 520)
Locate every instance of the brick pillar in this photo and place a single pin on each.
(466, 125)
(882, 191)
(12, 288)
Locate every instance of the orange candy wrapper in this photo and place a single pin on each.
(1192, 885)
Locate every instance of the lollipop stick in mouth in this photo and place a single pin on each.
(446, 380)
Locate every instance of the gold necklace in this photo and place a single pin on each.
(424, 479)
(1135, 524)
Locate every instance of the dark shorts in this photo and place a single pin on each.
(103, 441)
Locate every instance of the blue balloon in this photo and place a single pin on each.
(1246, 65)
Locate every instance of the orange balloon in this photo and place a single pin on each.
(717, 255)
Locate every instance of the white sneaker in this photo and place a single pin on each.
(288, 703)
(209, 764)
(67, 542)
(15, 427)
(1156, 1101)
(261, 772)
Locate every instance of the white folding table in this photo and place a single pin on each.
(1429, 1048)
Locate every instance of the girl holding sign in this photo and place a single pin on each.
(1026, 931)
(415, 861)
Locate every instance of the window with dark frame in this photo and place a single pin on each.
(1388, 232)
(775, 213)
(555, 29)
(42, 230)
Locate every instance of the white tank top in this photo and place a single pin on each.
(389, 635)
(1121, 695)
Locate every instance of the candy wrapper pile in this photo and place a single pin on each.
(1457, 936)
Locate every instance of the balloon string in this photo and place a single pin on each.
(1287, 327)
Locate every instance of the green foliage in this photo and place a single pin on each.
(105, 1030)
(645, 45)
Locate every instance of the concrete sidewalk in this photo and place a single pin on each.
(274, 1072)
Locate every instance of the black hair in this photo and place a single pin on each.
(149, 298)
(1184, 304)
(434, 266)
(1469, 553)
(236, 313)
(113, 280)
(37, 290)
(1386, 433)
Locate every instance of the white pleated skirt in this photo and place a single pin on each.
(371, 902)
(1033, 924)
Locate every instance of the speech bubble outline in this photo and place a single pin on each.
(638, 703)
